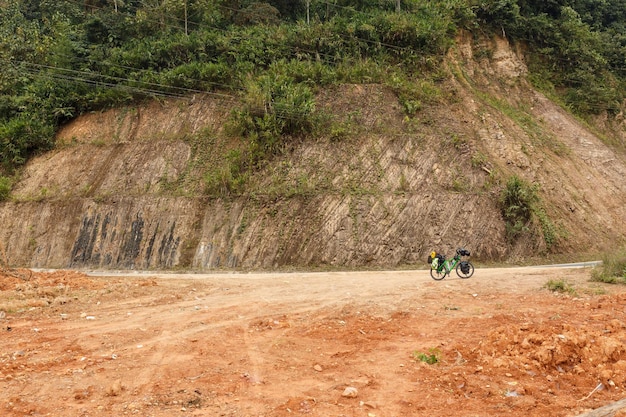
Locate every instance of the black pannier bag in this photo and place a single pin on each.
(465, 268)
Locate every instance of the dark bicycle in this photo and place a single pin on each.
(440, 266)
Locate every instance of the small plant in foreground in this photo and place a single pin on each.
(432, 357)
(559, 285)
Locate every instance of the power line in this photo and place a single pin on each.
(162, 87)
(85, 77)
(295, 51)
(174, 18)
(153, 89)
(146, 91)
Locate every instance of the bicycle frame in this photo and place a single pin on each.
(450, 264)
(464, 269)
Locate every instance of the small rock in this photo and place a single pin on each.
(318, 367)
(350, 392)
(362, 381)
(115, 389)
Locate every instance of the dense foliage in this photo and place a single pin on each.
(64, 57)
(516, 203)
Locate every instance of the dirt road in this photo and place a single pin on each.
(369, 344)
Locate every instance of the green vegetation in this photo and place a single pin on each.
(516, 203)
(274, 108)
(521, 208)
(550, 232)
(63, 58)
(5, 188)
(432, 357)
(613, 268)
(560, 286)
(577, 47)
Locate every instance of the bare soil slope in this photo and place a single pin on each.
(316, 344)
(126, 188)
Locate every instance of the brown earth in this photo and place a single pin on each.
(293, 344)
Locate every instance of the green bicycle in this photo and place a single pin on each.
(440, 266)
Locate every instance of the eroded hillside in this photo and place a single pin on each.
(125, 188)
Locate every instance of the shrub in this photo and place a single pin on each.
(426, 30)
(498, 13)
(413, 93)
(516, 204)
(22, 136)
(229, 177)
(310, 73)
(550, 232)
(274, 108)
(258, 13)
(613, 268)
(560, 286)
(204, 76)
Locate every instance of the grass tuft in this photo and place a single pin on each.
(561, 286)
(613, 268)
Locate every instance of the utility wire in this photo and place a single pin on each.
(182, 90)
(221, 29)
(203, 25)
(297, 52)
(84, 77)
(61, 77)
(315, 55)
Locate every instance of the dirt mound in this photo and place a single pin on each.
(22, 279)
(23, 289)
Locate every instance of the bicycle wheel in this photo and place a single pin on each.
(469, 268)
(438, 274)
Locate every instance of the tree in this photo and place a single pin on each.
(537, 7)
(258, 13)
(500, 14)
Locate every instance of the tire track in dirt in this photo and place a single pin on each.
(274, 344)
